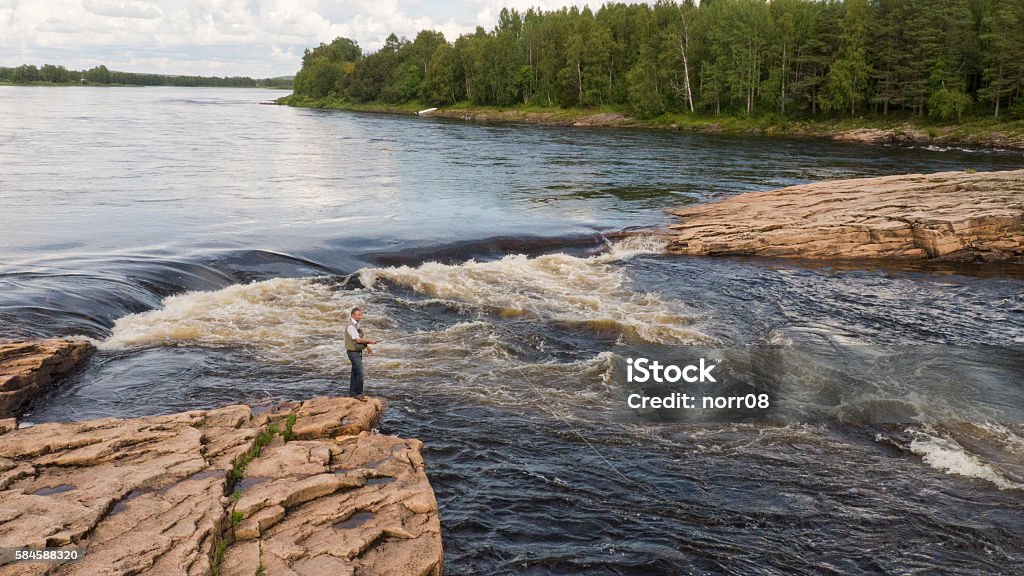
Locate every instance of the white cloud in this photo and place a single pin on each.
(487, 11)
(132, 9)
(248, 37)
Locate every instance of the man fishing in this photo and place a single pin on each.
(355, 344)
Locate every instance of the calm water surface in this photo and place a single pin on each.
(212, 245)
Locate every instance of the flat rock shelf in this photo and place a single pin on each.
(957, 216)
(303, 488)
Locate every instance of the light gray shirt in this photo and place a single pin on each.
(353, 328)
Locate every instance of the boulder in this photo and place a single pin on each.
(29, 368)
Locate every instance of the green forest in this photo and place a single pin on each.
(53, 74)
(937, 59)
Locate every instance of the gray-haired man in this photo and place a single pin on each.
(355, 344)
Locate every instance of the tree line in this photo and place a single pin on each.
(936, 58)
(50, 73)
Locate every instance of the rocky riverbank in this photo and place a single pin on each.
(899, 134)
(304, 488)
(908, 134)
(544, 118)
(955, 216)
(977, 133)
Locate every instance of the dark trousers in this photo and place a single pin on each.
(355, 383)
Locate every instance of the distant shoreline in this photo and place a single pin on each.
(980, 133)
(55, 75)
(96, 85)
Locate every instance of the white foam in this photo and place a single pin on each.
(593, 292)
(299, 322)
(635, 245)
(284, 318)
(950, 457)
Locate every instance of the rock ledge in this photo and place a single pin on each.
(949, 216)
(29, 368)
(295, 489)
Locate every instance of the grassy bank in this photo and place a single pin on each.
(982, 132)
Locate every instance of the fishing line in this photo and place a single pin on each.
(573, 428)
(644, 487)
(540, 395)
(536, 390)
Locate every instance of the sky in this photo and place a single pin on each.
(258, 38)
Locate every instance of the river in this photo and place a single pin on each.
(211, 245)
